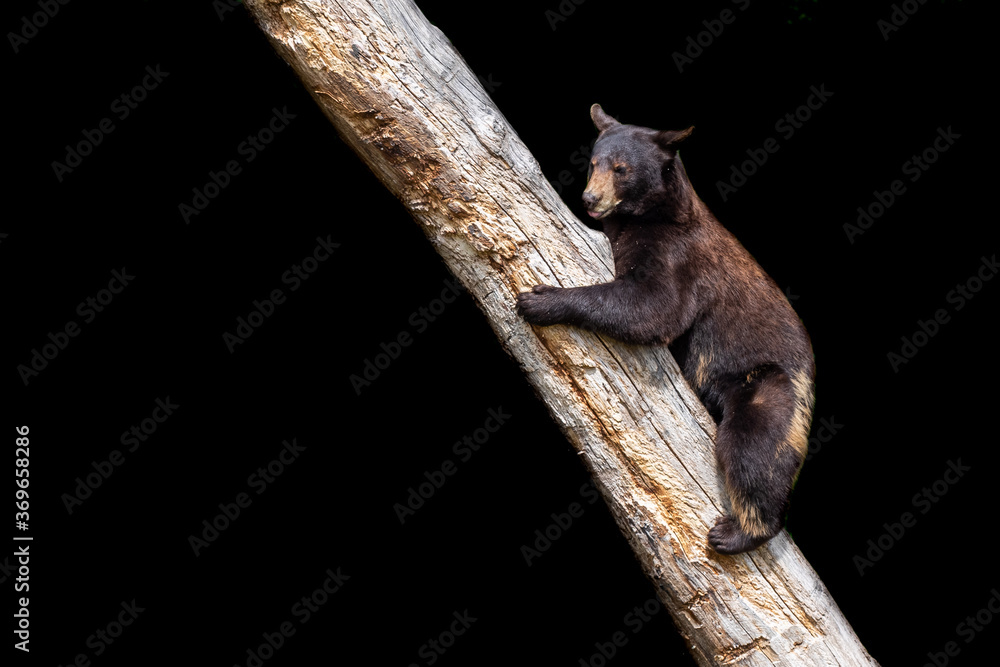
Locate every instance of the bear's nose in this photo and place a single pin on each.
(589, 198)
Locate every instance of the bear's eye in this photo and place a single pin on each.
(620, 168)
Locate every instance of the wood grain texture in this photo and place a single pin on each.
(406, 102)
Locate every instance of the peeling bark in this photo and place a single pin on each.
(408, 105)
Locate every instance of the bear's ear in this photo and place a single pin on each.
(602, 121)
(668, 139)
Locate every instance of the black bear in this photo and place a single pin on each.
(683, 280)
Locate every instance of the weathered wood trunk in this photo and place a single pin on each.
(406, 102)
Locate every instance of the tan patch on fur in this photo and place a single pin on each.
(798, 429)
(748, 516)
(701, 369)
(752, 374)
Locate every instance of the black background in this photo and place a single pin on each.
(334, 506)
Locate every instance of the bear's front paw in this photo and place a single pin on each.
(542, 305)
(727, 538)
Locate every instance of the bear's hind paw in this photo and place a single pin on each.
(727, 538)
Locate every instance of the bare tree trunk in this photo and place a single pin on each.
(406, 102)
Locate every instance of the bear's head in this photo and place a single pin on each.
(631, 167)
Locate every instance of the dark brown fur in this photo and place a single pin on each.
(683, 280)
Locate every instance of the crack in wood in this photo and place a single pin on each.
(737, 653)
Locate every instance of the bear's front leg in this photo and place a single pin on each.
(622, 309)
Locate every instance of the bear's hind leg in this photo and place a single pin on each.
(760, 446)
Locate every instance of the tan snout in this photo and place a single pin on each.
(599, 197)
